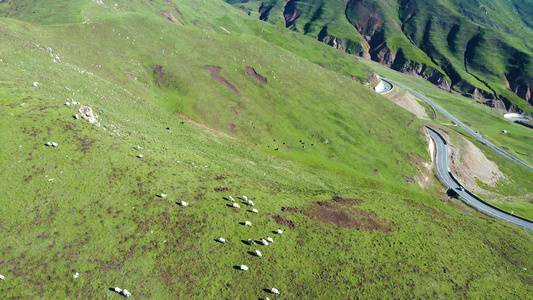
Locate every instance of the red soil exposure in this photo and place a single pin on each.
(347, 200)
(347, 217)
(281, 220)
(214, 73)
(251, 71)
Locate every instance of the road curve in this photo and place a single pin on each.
(466, 128)
(441, 165)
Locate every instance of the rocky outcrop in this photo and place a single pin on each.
(521, 85)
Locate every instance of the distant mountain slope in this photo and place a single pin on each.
(482, 49)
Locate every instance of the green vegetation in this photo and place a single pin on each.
(146, 79)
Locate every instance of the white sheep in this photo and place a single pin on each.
(126, 293)
(140, 156)
(231, 199)
(76, 116)
(264, 242)
(236, 205)
(137, 147)
(244, 268)
(163, 195)
(67, 103)
(280, 231)
(270, 240)
(2, 277)
(248, 223)
(258, 253)
(54, 144)
(36, 84)
(222, 240)
(254, 211)
(245, 198)
(183, 203)
(250, 203)
(49, 144)
(118, 290)
(76, 275)
(251, 242)
(274, 291)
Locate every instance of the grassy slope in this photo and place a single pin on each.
(97, 216)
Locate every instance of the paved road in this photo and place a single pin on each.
(441, 164)
(472, 132)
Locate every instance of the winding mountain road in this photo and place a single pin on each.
(441, 164)
(463, 126)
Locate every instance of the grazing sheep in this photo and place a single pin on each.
(54, 144)
(236, 205)
(76, 116)
(274, 291)
(128, 294)
(245, 198)
(280, 231)
(2, 277)
(244, 268)
(183, 203)
(254, 211)
(222, 240)
(267, 298)
(163, 195)
(137, 147)
(250, 203)
(49, 144)
(118, 290)
(258, 254)
(36, 84)
(264, 242)
(231, 199)
(76, 275)
(270, 240)
(248, 223)
(67, 103)
(140, 156)
(251, 242)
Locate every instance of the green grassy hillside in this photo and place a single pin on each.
(324, 158)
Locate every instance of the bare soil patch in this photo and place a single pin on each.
(232, 128)
(408, 102)
(170, 16)
(251, 71)
(347, 217)
(468, 162)
(282, 221)
(293, 209)
(348, 201)
(215, 70)
(221, 189)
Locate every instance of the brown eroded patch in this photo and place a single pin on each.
(347, 217)
(251, 71)
(215, 70)
(348, 201)
(221, 189)
(293, 209)
(281, 220)
(232, 128)
(170, 16)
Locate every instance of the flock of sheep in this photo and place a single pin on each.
(250, 241)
